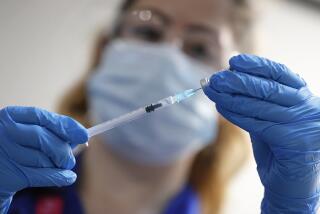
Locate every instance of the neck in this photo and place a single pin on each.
(115, 185)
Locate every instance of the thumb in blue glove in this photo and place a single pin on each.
(283, 119)
(36, 150)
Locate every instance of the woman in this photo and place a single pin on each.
(123, 177)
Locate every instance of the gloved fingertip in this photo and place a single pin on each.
(77, 133)
(68, 177)
(233, 61)
(218, 79)
(67, 162)
(242, 61)
(79, 136)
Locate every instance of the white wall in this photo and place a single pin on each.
(289, 33)
(44, 48)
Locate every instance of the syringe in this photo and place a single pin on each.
(133, 115)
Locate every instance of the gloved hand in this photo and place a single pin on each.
(35, 150)
(283, 119)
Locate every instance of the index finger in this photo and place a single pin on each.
(265, 68)
(64, 127)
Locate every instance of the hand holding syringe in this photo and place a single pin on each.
(133, 115)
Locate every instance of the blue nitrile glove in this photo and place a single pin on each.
(36, 150)
(283, 118)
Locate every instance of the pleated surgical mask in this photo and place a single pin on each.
(133, 74)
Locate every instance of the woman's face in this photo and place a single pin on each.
(197, 27)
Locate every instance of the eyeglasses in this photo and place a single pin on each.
(199, 42)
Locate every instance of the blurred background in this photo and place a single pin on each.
(45, 47)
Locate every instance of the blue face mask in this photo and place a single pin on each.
(134, 74)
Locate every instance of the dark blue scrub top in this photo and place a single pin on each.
(66, 200)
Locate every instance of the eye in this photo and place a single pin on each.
(197, 50)
(147, 33)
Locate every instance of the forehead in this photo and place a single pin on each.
(209, 13)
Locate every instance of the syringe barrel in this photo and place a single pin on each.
(123, 119)
(110, 124)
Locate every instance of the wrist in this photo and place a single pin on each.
(275, 203)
